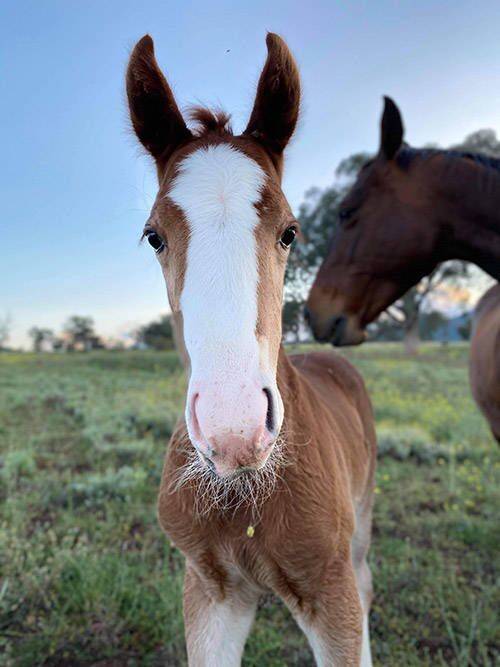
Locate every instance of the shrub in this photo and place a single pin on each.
(96, 489)
(414, 443)
(18, 463)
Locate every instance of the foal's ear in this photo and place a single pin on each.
(276, 106)
(391, 129)
(154, 113)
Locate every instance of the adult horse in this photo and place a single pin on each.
(484, 367)
(408, 211)
(252, 510)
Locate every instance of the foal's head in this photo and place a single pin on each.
(386, 241)
(221, 229)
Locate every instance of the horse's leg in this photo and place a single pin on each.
(364, 580)
(216, 630)
(333, 623)
(360, 546)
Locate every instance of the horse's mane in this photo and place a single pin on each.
(407, 155)
(210, 121)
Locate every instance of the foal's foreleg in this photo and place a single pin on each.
(333, 622)
(216, 630)
(364, 579)
(360, 546)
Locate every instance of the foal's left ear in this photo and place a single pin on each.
(276, 107)
(154, 113)
(391, 129)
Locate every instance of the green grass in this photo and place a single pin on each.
(87, 578)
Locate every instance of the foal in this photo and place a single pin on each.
(268, 480)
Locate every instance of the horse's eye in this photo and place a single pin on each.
(288, 237)
(346, 213)
(155, 241)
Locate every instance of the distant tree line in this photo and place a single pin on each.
(4, 331)
(79, 335)
(157, 335)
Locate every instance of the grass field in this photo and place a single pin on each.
(87, 578)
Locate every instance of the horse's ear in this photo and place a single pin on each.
(276, 107)
(154, 113)
(391, 129)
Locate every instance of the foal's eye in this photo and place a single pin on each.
(155, 241)
(288, 237)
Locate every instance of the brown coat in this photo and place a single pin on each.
(301, 549)
(484, 366)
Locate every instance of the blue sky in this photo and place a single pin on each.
(75, 188)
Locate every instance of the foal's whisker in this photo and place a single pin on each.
(250, 489)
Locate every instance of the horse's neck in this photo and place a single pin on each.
(469, 216)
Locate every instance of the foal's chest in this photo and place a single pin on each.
(275, 549)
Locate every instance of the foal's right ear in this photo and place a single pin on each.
(154, 113)
(391, 129)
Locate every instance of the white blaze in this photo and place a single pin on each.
(217, 188)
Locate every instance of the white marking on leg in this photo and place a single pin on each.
(366, 656)
(321, 651)
(222, 631)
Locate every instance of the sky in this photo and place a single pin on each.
(75, 188)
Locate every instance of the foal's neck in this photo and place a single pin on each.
(469, 213)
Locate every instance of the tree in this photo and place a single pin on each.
(483, 141)
(350, 166)
(292, 320)
(4, 330)
(58, 344)
(318, 216)
(465, 329)
(406, 311)
(80, 335)
(157, 335)
(40, 337)
(432, 323)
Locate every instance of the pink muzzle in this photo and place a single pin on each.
(232, 425)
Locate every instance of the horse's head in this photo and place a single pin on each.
(221, 229)
(385, 241)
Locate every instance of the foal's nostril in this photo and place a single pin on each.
(270, 410)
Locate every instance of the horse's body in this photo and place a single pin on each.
(311, 535)
(484, 367)
(408, 211)
(268, 480)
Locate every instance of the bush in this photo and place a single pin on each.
(20, 463)
(96, 489)
(406, 443)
